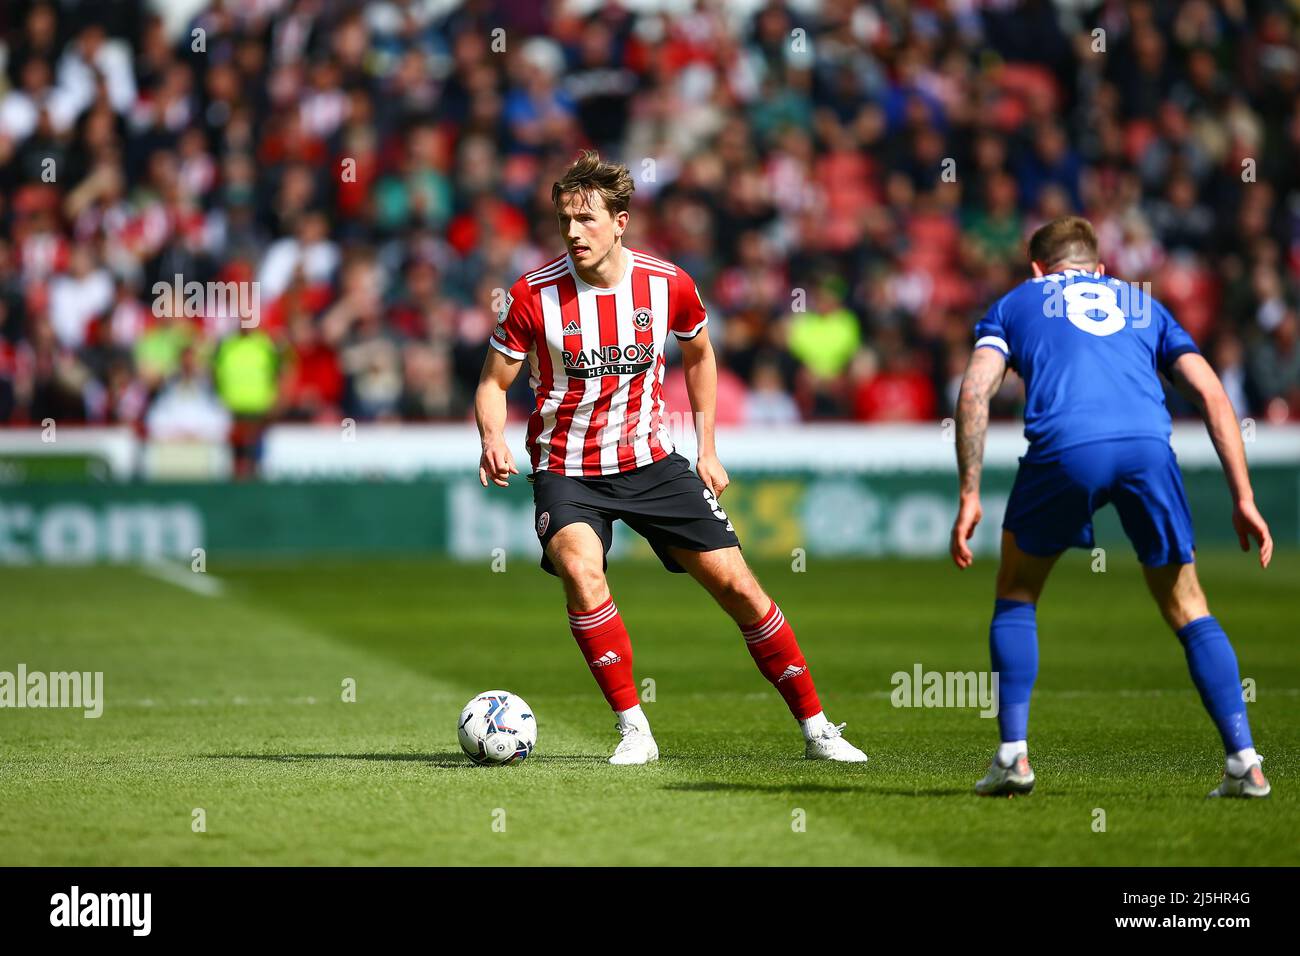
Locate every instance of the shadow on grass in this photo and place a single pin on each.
(967, 793)
(931, 792)
(449, 760)
(865, 789)
(726, 787)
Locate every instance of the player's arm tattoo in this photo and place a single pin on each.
(983, 377)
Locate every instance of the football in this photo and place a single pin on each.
(497, 727)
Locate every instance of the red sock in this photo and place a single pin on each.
(605, 646)
(772, 644)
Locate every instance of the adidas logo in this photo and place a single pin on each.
(604, 660)
(572, 329)
(791, 671)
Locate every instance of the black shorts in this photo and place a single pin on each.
(664, 502)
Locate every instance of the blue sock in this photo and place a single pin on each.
(1013, 646)
(1214, 672)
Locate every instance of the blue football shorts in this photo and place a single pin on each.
(1053, 501)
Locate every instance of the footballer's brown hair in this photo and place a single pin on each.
(1068, 239)
(589, 174)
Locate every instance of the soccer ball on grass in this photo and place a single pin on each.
(497, 727)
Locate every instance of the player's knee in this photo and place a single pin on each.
(1183, 608)
(1178, 594)
(738, 589)
(585, 575)
(732, 587)
(1011, 587)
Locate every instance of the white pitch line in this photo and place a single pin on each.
(195, 582)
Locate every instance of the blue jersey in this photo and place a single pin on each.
(1088, 347)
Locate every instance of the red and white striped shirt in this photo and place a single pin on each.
(597, 361)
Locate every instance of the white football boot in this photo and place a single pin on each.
(829, 745)
(1252, 783)
(1000, 780)
(637, 746)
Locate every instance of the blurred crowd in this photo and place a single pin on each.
(850, 185)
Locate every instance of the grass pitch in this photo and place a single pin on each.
(231, 703)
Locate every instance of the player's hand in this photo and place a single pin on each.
(712, 474)
(496, 463)
(969, 513)
(1249, 523)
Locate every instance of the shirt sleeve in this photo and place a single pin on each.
(991, 332)
(515, 330)
(1174, 340)
(689, 316)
